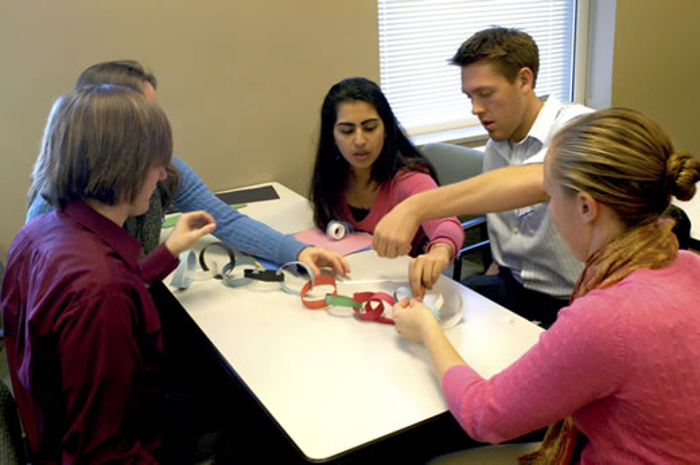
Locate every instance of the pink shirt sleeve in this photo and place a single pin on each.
(447, 230)
(546, 384)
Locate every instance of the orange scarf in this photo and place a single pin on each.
(649, 246)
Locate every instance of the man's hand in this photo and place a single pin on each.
(425, 270)
(393, 235)
(317, 257)
(189, 228)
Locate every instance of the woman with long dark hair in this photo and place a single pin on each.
(365, 165)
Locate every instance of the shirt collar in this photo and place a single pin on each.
(115, 236)
(542, 126)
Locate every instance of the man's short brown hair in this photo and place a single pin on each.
(127, 73)
(509, 50)
(100, 143)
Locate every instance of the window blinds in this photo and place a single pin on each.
(417, 38)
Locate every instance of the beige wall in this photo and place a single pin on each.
(656, 66)
(241, 81)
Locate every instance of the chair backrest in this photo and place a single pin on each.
(453, 163)
(12, 447)
(682, 227)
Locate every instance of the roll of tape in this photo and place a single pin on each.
(338, 229)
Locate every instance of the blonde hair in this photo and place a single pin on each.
(624, 160)
(100, 143)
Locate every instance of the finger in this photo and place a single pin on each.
(312, 266)
(392, 251)
(435, 275)
(205, 217)
(379, 246)
(208, 229)
(428, 271)
(419, 294)
(345, 266)
(326, 257)
(426, 278)
(199, 217)
(335, 262)
(414, 278)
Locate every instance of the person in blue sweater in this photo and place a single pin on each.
(185, 190)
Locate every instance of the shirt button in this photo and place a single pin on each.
(515, 230)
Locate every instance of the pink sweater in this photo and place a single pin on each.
(404, 185)
(625, 361)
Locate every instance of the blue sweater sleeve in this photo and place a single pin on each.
(38, 207)
(237, 230)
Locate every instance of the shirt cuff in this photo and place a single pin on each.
(158, 264)
(444, 240)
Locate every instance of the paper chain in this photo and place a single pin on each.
(368, 306)
(186, 271)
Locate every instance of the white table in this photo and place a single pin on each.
(309, 369)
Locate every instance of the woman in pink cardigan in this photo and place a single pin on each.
(621, 363)
(365, 165)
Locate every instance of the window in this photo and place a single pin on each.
(417, 38)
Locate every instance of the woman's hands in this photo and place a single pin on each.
(189, 228)
(317, 257)
(414, 320)
(417, 323)
(424, 270)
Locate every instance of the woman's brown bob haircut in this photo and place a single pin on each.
(99, 143)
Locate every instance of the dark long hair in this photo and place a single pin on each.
(331, 170)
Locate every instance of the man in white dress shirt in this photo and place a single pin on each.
(533, 272)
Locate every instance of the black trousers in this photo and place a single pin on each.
(505, 290)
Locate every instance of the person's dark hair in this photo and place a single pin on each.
(132, 74)
(100, 143)
(682, 227)
(127, 73)
(331, 170)
(509, 50)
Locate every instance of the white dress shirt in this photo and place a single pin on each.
(525, 239)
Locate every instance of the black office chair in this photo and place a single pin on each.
(682, 227)
(455, 163)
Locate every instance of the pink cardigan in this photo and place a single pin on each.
(404, 185)
(625, 361)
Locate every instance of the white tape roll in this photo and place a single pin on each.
(338, 229)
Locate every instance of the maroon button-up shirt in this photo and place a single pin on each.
(83, 337)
